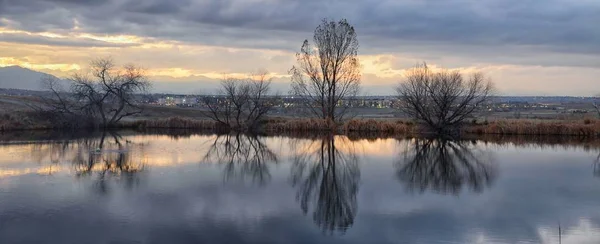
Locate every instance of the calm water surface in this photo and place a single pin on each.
(134, 188)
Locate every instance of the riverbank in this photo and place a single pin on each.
(582, 128)
(586, 128)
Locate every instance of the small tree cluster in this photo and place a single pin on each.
(241, 103)
(442, 100)
(103, 97)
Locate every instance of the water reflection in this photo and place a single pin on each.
(596, 166)
(445, 166)
(102, 158)
(244, 156)
(541, 185)
(110, 158)
(327, 181)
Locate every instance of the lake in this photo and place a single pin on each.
(127, 187)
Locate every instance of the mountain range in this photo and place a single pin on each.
(16, 77)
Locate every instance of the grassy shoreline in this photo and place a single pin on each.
(584, 128)
(581, 128)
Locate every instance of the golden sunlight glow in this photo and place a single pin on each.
(218, 76)
(153, 151)
(214, 75)
(379, 65)
(181, 56)
(158, 45)
(172, 61)
(46, 170)
(44, 34)
(4, 62)
(378, 147)
(172, 72)
(119, 39)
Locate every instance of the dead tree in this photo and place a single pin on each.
(241, 103)
(328, 72)
(442, 100)
(59, 100)
(105, 96)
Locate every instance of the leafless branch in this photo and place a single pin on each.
(106, 94)
(442, 100)
(241, 103)
(328, 72)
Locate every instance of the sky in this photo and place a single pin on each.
(526, 47)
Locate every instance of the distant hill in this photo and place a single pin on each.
(19, 78)
(16, 77)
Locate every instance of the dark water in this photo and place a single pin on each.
(133, 188)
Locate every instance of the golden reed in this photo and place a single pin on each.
(587, 127)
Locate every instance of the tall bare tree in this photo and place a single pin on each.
(595, 104)
(442, 100)
(241, 103)
(329, 71)
(105, 95)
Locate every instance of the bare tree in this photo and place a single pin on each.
(59, 100)
(106, 94)
(595, 104)
(442, 100)
(329, 71)
(241, 103)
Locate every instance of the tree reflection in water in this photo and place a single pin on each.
(596, 166)
(327, 178)
(243, 156)
(445, 166)
(109, 158)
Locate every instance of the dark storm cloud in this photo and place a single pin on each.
(555, 25)
(156, 6)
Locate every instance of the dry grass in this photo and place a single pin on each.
(353, 128)
(582, 128)
(587, 127)
(172, 123)
(298, 125)
(23, 121)
(381, 126)
(161, 112)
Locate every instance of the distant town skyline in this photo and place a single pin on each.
(525, 47)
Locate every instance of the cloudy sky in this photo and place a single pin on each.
(539, 47)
